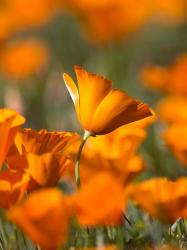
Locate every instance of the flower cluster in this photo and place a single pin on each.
(172, 109)
(34, 162)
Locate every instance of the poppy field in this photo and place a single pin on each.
(93, 125)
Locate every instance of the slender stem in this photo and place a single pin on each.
(86, 135)
(3, 232)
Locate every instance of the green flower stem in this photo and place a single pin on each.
(86, 135)
(3, 231)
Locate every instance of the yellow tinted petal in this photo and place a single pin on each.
(73, 91)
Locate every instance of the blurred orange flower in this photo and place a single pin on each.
(10, 123)
(41, 155)
(175, 138)
(102, 189)
(44, 217)
(123, 141)
(124, 170)
(100, 108)
(110, 20)
(173, 109)
(6, 23)
(161, 198)
(172, 78)
(31, 54)
(20, 13)
(13, 186)
(174, 10)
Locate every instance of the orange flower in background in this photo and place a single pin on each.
(100, 201)
(124, 170)
(6, 23)
(123, 141)
(155, 77)
(10, 123)
(31, 54)
(17, 15)
(20, 12)
(105, 21)
(175, 138)
(163, 199)
(174, 10)
(114, 153)
(173, 109)
(13, 186)
(109, 20)
(44, 217)
(101, 109)
(124, 167)
(41, 154)
(171, 79)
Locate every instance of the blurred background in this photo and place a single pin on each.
(41, 39)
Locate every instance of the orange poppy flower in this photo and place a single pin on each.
(6, 23)
(175, 138)
(156, 197)
(22, 12)
(114, 153)
(105, 21)
(172, 78)
(173, 109)
(10, 123)
(100, 108)
(172, 10)
(123, 141)
(41, 155)
(32, 55)
(94, 192)
(12, 188)
(124, 170)
(44, 217)
(155, 77)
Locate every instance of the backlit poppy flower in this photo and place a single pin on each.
(163, 199)
(10, 123)
(13, 186)
(172, 78)
(44, 217)
(173, 109)
(41, 155)
(175, 137)
(31, 54)
(42, 141)
(105, 190)
(101, 109)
